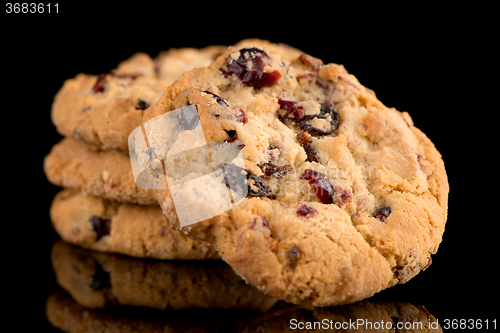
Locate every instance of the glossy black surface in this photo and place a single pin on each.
(428, 66)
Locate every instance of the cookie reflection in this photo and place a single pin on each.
(66, 314)
(102, 280)
(357, 317)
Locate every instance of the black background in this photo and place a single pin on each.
(435, 64)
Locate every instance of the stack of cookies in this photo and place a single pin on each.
(101, 207)
(341, 196)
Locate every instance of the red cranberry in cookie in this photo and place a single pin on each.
(249, 67)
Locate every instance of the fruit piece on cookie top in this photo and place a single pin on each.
(331, 173)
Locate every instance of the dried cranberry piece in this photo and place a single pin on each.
(306, 210)
(419, 159)
(265, 222)
(242, 117)
(306, 142)
(383, 213)
(100, 85)
(102, 227)
(296, 113)
(295, 110)
(265, 225)
(325, 112)
(343, 196)
(238, 184)
(219, 99)
(324, 189)
(273, 170)
(188, 117)
(249, 67)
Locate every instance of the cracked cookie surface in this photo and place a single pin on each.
(346, 197)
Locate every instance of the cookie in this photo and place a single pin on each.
(134, 230)
(103, 280)
(334, 197)
(107, 174)
(102, 110)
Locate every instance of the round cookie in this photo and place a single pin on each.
(102, 280)
(344, 196)
(105, 174)
(102, 110)
(109, 226)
